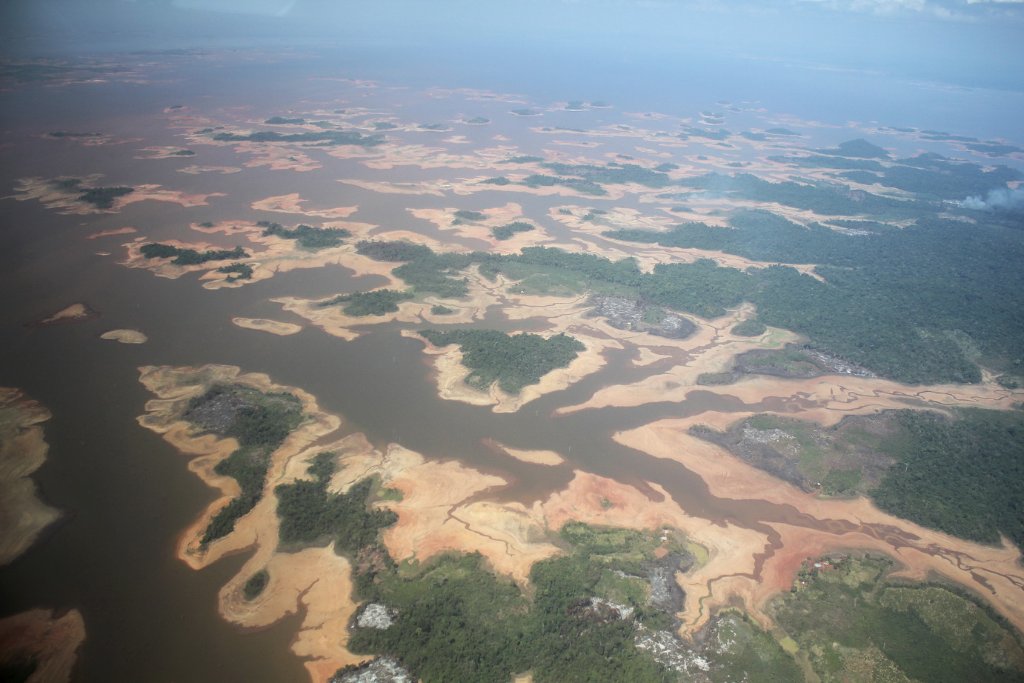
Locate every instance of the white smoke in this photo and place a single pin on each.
(1002, 199)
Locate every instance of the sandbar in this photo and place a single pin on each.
(125, 336)
(74, 313)
(282, 329)
(22, 451)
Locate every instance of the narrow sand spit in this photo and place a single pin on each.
(70, 314)
(22, 451)
(536, 457)
(125, 336)
(43, 637)
(113, 231)
(277, 327)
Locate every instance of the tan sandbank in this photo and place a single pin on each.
(282, 329)
(125, 336)
(22, 451)
(43, 637)
(74, 313)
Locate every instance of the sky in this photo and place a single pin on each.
(975, 43)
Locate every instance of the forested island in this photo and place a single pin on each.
(513, 361)
(306, 236)
(191, 257)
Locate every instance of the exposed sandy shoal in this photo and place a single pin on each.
(277, 327)
(125, 336)
(536, 457)
(163, 153)
(127, 230)
(447, 221)
(292, 203)
(853, 523)
(42, 636)
(70, 314)
(197, 169)
(22, 451)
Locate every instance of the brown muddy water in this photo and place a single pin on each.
(125, 494)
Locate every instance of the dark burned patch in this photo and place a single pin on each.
(630, 314)
(219, 409)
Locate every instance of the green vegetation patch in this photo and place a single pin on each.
(463, 215)
(513, 361)
(456, 621)
(237, 271)
(190, 257)
(313, 516)
(505, 232)
(846, 459)
(376, 302)
(438, 309)
(581, 185)
(749, 328)
(101, 198)
(255, 584)
(282, 120)
(964, 476)
(612, 173)
(260, 422)
(847, 619)
(892, 300)
(307, 236)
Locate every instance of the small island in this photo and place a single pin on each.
(511, 361)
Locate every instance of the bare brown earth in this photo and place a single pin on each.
(43, 636)
(22, 451)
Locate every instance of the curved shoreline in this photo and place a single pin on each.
(23, 450)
